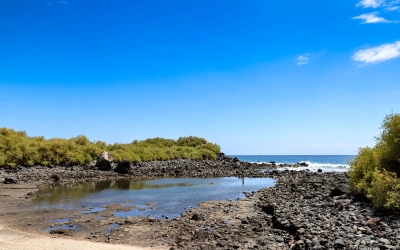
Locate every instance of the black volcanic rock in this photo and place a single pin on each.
(339, 190)
(123, 167)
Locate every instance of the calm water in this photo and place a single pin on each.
(158, 197)
(324, 162)
(169, 196)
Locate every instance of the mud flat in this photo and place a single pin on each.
(304, 210)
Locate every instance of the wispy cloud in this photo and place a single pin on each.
(371, 18)
(370, 3)
(63, 2)
(303, 59)
(377, 54)
(392, 5)
(393, 8)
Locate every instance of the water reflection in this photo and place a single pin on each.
(154, 197)
(64, 194)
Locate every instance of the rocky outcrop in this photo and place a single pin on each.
(222, 157)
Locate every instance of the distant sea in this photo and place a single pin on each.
(336, 163)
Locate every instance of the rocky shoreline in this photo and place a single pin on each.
(223, 167)
(304, 210)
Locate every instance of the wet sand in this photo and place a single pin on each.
(21, 228)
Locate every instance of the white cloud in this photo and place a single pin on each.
(64, 2)
(370, 3)
(303, 59)
(371, 18)
(378, 54)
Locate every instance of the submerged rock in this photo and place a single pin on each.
(60, 231)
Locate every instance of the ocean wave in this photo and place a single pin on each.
(326, 167)
(310, 164)
(314, 169)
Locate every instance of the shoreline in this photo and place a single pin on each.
(297, 213)
(69, 175)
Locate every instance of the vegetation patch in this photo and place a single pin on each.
(17, 148)
(375, 171)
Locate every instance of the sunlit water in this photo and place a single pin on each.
(158, 197)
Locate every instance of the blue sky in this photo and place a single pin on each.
(255, 77)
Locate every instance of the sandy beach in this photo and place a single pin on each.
(18, 240)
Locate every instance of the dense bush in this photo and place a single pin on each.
(16, 148)
(375, 171)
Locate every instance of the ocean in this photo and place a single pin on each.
(332, 163)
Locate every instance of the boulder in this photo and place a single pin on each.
(123, 167)
(315, 242)
(55, 177)
(373, 222)
(197, 216)
(268, 208)
(9, 180)
(341, 204)
(339, 190)
(339, 244)
(104, 161)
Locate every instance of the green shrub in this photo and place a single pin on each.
(374, 171)
(16, 148)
